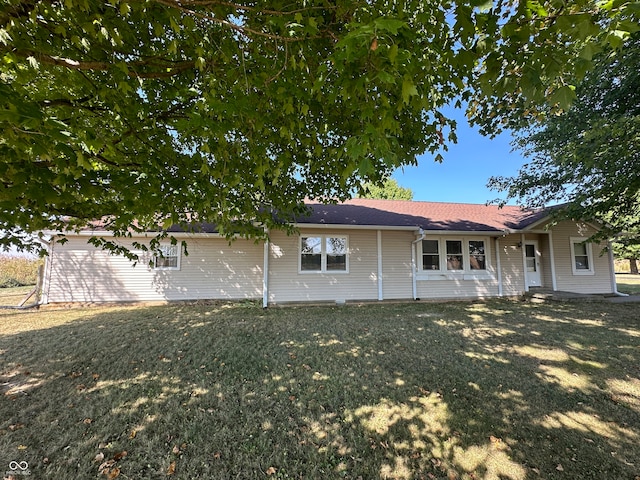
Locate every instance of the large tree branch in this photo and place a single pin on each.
(165, 69)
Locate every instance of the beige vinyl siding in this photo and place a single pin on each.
(288, 284)
(396, 265)
(457, 288)
(511, 265)
(566, 280)
(213, 270)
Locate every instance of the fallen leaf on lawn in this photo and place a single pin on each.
(217, 455)
(96, 376)
(76, 374)
(87, 421)
(559, 468)
(45, 460)
(99, 457)
(16, 426)
(133, 434)
(494, 439)
(22, 447)
(113, 473)
(271, 471)
(172, 468)
(105, 466)
(120, 455)
(175, 450)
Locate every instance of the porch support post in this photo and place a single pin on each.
(524, 262)
(380, 292)
(265, 273)
(552, 259)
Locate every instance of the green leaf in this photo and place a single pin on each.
(391, 25)
(408, 89)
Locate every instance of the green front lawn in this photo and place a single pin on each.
(495, 390)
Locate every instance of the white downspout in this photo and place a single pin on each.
(414, 266)
(265, 272)
(46, 274)
(612, 272)
(498, 266)
(380, 289)
(552, 259)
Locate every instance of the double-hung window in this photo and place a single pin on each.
(581, 256)
(430, 255)
(477, 255)
(323, 253)
(455, 258)
(168, 258)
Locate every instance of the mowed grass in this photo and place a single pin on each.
(495, 390)
(628, 283)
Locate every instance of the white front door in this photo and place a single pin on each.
(532, 263)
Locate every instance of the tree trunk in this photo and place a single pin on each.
(633, 266)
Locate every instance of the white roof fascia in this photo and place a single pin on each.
(490, 233)
(107, 233)
(335, 226)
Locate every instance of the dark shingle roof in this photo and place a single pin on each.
(463, 217)
(459, 217)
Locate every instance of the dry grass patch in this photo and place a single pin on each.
(494, 390)
(18, 271)
(628, 283)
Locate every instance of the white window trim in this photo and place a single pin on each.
(466, 274)
(178, 255)
(323, 255)
(590, 270)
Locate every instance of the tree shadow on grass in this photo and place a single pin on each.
(462, 390)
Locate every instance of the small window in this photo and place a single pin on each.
(168, 259)
(430, 255)
(581, 257)
(477, 255)
(454, 255)
(323, 254)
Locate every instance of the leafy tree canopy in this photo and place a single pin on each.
(148, 113)
(388, 190)
(588, 159)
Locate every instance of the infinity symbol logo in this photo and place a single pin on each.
(18, 465)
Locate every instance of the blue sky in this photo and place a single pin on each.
(467, 166)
